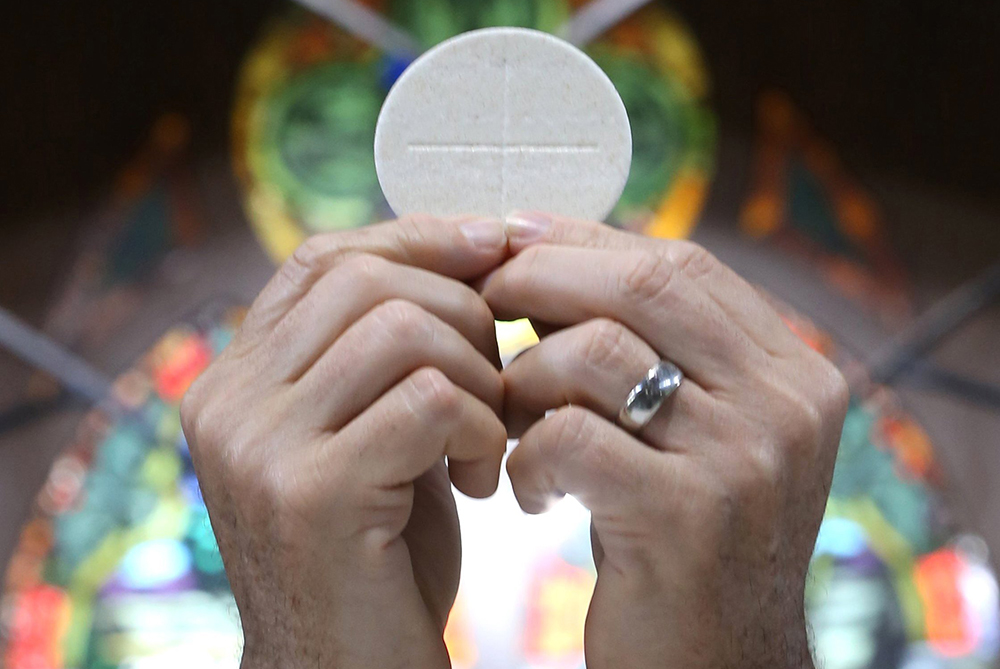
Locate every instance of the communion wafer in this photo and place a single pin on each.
(503, 119)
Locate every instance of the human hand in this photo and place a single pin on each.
(319, 434)
(704, 521)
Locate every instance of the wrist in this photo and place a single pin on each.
(256, 656)
(796, 649)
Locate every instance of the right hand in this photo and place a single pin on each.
(319, 435)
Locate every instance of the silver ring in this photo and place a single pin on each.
(648, 396)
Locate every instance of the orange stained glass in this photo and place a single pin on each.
(40, 618)
(177, 363)
(910, 444)
(937, 576)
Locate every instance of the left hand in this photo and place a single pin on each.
(705, 520)
(319, 438)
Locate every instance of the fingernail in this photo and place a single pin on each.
(486, 233)
(526, 227)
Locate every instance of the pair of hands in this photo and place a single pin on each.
(320, 436)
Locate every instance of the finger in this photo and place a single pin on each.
(526, 228)
(743, 302)
(595, 365)
(575, 451)
(353, 288)
(642, 290)
(411, 427)
(381, 349)
(461, 248)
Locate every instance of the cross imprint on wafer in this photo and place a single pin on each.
(502, 148)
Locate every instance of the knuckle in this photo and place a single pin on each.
(191, 406)
(435, 397)
(309, 252)
(402, 320)
(650, 277)
(412, 230)
(804, 429)
(605, 346)
(760, 470)
(202, 421)
(271, 485)
(835, 394)
(694, 261)
(822, 417)
(306, 262)
(571, 428)
(363, 271)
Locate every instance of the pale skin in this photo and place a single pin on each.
(366, 379)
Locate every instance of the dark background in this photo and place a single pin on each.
(902, 86)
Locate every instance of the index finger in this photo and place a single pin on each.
(738, 299)
(460, 248)
(563, 285)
